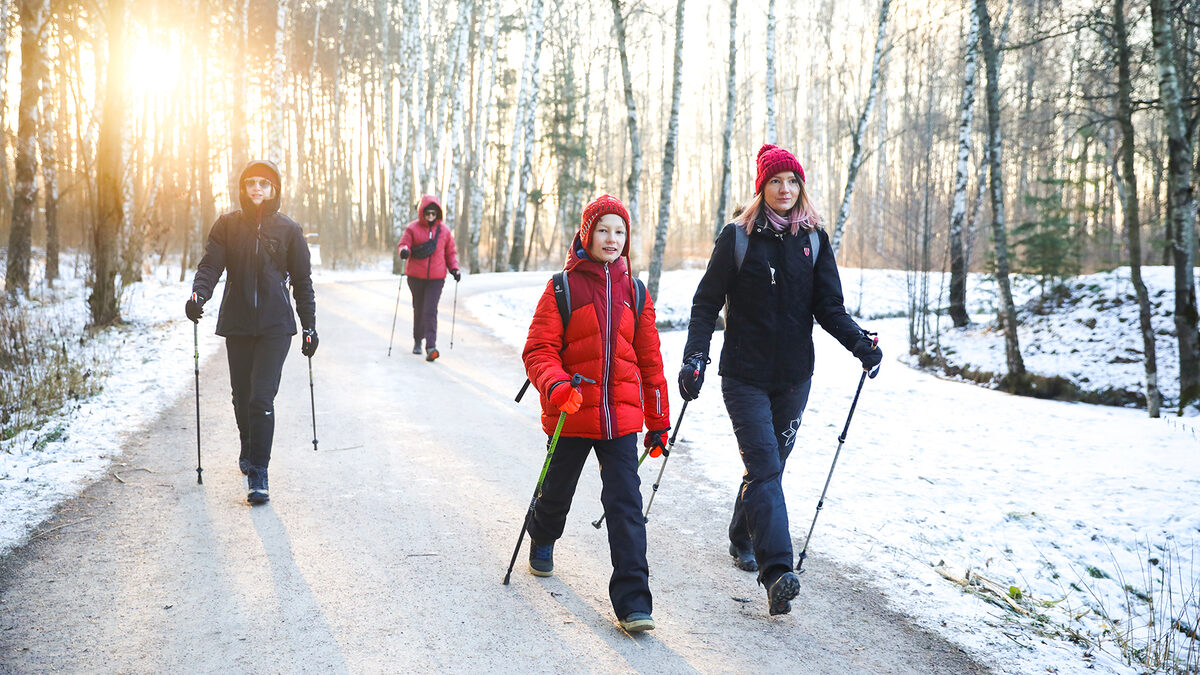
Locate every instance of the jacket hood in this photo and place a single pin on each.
(427, 201)
(260, 167)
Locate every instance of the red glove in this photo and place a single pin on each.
(655, 442)
(566, 398)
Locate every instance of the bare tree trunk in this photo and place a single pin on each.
(633, 184)
(103, 300)
(1182, 210)
(33, 24)
(501, 252)
(5, 186)
(534, 32)
(772, 130)
(860, 130)
(958, 212)
(479, 166)
(278, 61)
(730, 108)
(1129, 198)
(239, 137)
(668, 164)
(458, 63)
(1008, 312)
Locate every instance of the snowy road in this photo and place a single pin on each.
(384, 551)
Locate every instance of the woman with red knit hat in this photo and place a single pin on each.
(607, 341)
(775, 271)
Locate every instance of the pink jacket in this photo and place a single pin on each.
(445, 256)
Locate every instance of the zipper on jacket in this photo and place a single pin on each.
(607, 352)
(257, 235)
(658, 401)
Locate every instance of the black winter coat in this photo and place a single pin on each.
(261, 254)
(772, 302)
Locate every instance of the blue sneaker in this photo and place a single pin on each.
(637, 622)
(257, 480)
(541, 559)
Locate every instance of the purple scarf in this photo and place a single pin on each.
(792, 221)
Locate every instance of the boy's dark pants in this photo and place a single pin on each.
(629, 586)
(765, 422)
(425, 295)
(255, 365)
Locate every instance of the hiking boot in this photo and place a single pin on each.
(257, 481)
(417, 347)
(781, 593)
(541, 559)
(743, 558)
(433, 354)
(637, 622)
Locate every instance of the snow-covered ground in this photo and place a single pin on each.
(1061, 506)
(1065, 503)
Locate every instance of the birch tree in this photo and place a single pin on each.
(1129, 198)
(860, 129)
(33, 24)
(532, 17)
(5, 12)
(278, 61)
(527, 118)
(1008, 312)
(103, 300)
(1181, 209)
(634, 182)
(772, 131)
(238, 136)
(958, 212)
(727, 136)
(479, 166)
(668, 164)
(462, 27)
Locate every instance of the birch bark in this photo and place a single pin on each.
(958, 211)
(103, 300)
(727, 136)
(772, 130)
(523, 131)
(463, 25)
(278, 60)
(668, 164)
(479, 166)
(33, 24)
(633, 184)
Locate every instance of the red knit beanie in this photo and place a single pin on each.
(772, 160)
(599, 207)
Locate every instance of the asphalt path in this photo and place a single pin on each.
(383, 551)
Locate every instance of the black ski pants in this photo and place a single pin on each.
(255, 365)
(620, 493)
(765, 422)
(425, 296)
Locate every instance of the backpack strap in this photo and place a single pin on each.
(741, 241)
(639, 301)
(815, 242)
(562, 297)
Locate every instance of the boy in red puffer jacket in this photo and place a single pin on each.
(606, 342)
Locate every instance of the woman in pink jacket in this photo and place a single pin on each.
(428, 246)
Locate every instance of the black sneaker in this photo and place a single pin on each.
(433, 354)
(637, 622)
(743, 558)
(417, 347)
(781, 593)
(257, 480)
(541, 559)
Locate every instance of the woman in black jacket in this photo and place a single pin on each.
(262, 250)
(774, 269)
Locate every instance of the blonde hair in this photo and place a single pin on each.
(802, 211)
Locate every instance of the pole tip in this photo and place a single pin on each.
(506, 576)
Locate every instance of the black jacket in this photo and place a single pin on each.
(261, 253)
(772, 301)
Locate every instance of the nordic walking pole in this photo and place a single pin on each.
(537, 491)
(454, 314)
(395, 312)
(196, 355)
(312, 400)
(666, 455)
(841, 440)
(596, 523)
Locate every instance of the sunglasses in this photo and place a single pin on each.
(260, 183)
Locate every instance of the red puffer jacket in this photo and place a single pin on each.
(445, 256)
(601, 345)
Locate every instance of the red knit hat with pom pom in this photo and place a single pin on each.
(772, 160)
(598, 208)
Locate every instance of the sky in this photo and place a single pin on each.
(1066, 503)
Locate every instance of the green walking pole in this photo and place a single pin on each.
(537, 491)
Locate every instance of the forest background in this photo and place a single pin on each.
(1007, 137)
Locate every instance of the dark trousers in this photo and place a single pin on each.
(620, 493)
(765, 422)
(425, 296)
(255, 364)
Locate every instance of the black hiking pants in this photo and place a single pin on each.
(425, 296)
(255, 365)
(620, 493)
(765, 422)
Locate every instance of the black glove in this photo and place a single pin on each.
(656, 441)
(194, 308)
(691, 376)
(456, 274)
(403, 253)
(867, 350)
(308, 345)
